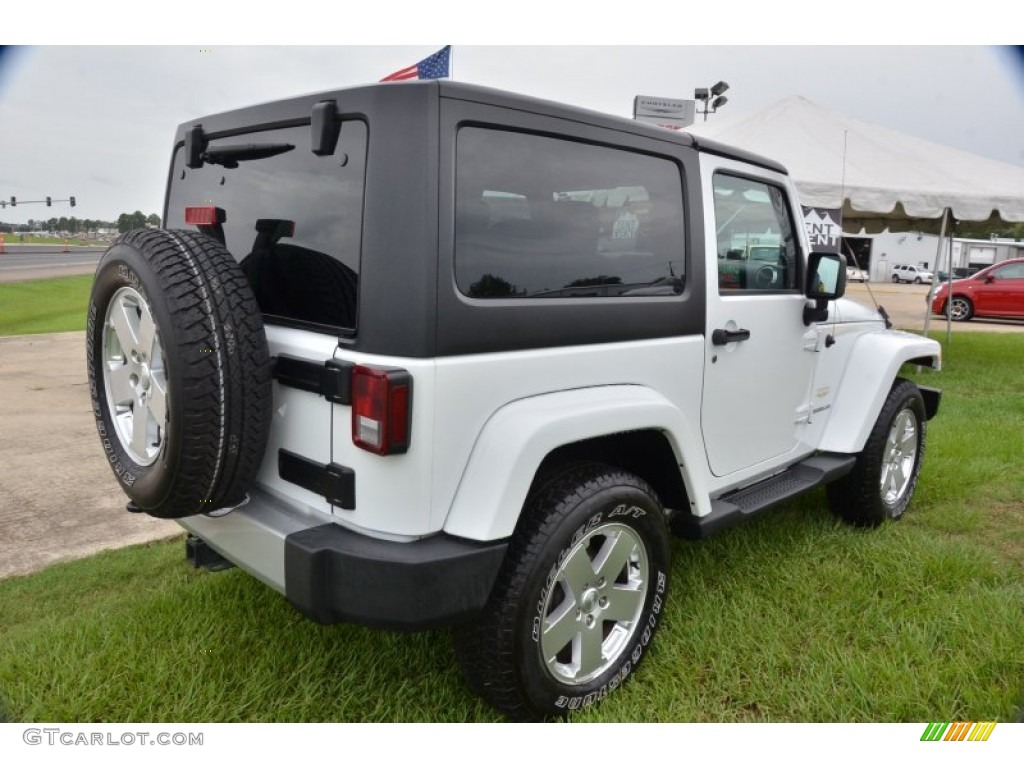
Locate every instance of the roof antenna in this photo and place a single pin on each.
(849, 248)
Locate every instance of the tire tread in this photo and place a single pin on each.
(225, 402)
(487, 649)
(856, 497)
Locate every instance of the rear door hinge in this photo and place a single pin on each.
(334, 482)
(332, 379)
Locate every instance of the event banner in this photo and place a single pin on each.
(824, 228)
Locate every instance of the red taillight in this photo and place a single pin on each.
(381, 409)
(204, 215)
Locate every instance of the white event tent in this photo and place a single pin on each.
(881, 178)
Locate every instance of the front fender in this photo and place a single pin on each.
(518, 436)
(870, 371)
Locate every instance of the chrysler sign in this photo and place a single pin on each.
(668, 113)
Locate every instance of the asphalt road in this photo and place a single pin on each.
(34, 262)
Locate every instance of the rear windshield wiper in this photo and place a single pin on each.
(231, 155)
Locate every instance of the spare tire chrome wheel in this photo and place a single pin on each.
(179, 372)
(135, 382)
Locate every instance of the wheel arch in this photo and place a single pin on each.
(646, 453)
(873, 366)
(529, 438)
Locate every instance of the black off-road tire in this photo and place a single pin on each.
(208, 365)
(570, 521)
(876, 491)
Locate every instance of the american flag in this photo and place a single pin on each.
(436, 65)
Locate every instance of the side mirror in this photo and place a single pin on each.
(826, 281)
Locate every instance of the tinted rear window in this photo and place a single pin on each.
(293, 221)
(541, 217)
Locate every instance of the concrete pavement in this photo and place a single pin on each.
(58, 498)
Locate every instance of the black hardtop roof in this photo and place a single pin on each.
(296, 109)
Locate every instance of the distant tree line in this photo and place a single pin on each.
(126, 222)
(984, 230)
(62, 224)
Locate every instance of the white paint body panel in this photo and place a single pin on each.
(392, 492)
(859, 390)
(754, 390)
(301, 421)
(517, 438)
(472, 389)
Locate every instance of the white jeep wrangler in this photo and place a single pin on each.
(431, 354)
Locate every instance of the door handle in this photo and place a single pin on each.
(720, 336)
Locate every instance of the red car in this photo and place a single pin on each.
(996, 291)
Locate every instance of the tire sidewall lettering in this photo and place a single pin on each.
(562, 698)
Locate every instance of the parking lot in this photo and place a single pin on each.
(906, 304)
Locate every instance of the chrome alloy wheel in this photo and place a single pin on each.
(134, 377)
(593, 606)
(959, 308)
(899, 457)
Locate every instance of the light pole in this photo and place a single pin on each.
(712, 95)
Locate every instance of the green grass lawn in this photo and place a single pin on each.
(791, 617)
(44, 306)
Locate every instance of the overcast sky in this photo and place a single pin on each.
(98, 122)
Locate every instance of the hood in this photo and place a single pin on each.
(850, 311)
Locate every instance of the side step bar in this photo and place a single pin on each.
(739, 505)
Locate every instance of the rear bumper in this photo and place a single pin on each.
(332, 574)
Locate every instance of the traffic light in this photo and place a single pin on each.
(47, 201)
(14, 201)
(72, 201)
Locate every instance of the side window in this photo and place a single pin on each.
(1009, 272)
(540, 218)
(757, 245)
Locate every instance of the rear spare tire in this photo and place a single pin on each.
(179, 372)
